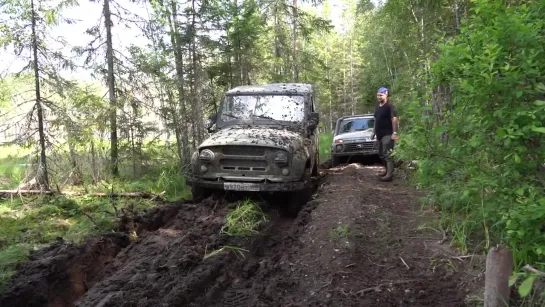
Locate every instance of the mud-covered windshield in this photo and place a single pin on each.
(267, 107)
(356, 124)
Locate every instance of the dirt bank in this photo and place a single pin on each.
(355, 244)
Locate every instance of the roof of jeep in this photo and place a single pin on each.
(280, 88)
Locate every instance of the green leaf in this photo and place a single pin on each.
(513, 279)
(539, 102)
(519, 94)
(520, 191)
(526, 286)
(538, 129)
(517, 158)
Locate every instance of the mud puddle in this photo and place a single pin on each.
(355, 244)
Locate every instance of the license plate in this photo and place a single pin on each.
(237, 186)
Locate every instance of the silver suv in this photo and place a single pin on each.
(352, 137)
(265, 140)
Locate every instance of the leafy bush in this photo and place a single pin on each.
(479, 155)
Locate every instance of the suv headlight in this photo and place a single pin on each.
(281, 158)
(206, 155)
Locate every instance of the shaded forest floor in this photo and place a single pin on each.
(359, 242)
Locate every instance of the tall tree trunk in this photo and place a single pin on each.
(295, 51)
(93, 161)
(179, 63)
(42, 176)
(197, 80)
(176, 122)
(111, 90)
(352, 73)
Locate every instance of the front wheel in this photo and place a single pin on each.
(199, 193)
(335, 161)
(297, 199)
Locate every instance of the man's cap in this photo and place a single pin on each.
(382, 90)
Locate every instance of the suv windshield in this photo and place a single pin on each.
(356, 124)
(268, 107)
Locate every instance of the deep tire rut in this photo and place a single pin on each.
(352, 245)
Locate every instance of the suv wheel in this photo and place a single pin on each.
(315, 168)
(297, 199)
(335, 161)
(199, 193)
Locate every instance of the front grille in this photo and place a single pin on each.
(243, 165)
(355, 147)
(243, 151)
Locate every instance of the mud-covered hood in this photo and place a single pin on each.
(261, 136)
(355, 135)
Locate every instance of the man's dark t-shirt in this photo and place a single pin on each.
(383, 119)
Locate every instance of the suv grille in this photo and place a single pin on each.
(243, 165)
(354, 147)
(243, 151)
(244, 158)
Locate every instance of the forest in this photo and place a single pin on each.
(110, 97)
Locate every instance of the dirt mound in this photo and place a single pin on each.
(355, 244)
(61, 273)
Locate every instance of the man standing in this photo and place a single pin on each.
(385, 131)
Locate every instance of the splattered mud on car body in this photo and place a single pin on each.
(271, 137)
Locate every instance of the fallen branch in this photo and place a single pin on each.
(146, 195)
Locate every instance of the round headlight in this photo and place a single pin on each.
(339, 148)
(281, 158)
(206, 155)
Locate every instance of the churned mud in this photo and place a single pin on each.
(356, 243)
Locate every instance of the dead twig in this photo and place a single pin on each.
(461, 258)
(444, 236)
(350, 265)
(531, 269)
(377, 287)
(327, 284)
(405, 263)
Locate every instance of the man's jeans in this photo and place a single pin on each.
(385, 148)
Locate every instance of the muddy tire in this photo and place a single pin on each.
(199, 194)
(335, 161)
(297, 199)
(315, 168)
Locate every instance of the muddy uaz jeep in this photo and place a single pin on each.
(265, 139)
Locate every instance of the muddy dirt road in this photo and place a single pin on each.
(356, 244)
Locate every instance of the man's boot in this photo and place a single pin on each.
(389, 172)
(384, 170)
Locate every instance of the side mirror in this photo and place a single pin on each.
(210, 122)
(314, 120)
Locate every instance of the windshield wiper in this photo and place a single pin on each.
(231, 115)
(270, 118)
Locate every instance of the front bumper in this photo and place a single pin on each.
(249, 186)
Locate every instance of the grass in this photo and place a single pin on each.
(245, 219)
(238, 251)
(326, 138)
(29, 223)
(13, 160)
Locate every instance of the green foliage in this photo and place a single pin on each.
(480, 148)
(10, 257)
(326, 138)
(245, 220)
